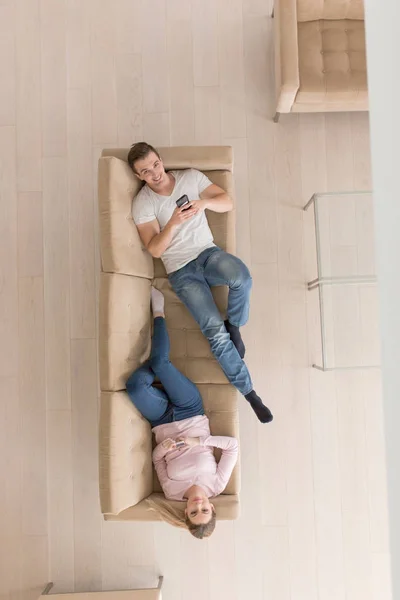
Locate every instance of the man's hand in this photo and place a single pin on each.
(216, 199)
(169, 444)
(201, 205)
(191, 442)
(182, 214)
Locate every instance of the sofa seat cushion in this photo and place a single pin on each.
(332, 62)
(220, 406)
(126, 471)
(221, 224)
(120, 245)
(190, 351)
(125, 331)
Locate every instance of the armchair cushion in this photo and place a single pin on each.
(332, 62)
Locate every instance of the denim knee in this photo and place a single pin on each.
(137, 380)
(157, 362)
(243, 279)
(216, 335)
(237, 275)
(132, 384)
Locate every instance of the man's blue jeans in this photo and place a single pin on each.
(180, 399)
(192, 285)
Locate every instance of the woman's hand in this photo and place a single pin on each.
(169, 444)
(191, 442)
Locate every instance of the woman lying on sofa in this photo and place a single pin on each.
(183, 457)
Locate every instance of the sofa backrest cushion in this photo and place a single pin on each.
(125, 465)
(124, 328)
(120, 245)
(314, 10)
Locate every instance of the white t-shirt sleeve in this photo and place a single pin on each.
(202, 180)
(143, 209)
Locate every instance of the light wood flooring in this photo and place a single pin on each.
(80, 75)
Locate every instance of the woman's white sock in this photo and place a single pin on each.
(157, 301)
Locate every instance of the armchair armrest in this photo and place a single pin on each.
(286, 55)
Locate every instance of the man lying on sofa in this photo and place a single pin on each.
(181, 237)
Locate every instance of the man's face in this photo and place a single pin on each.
(151, 170)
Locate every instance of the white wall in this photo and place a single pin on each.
(383, 42)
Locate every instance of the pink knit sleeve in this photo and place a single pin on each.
(161, 468)
(230, 451)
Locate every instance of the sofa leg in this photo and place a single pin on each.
(276, 117)
(160, 582)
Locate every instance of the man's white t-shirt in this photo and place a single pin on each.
(192, 236)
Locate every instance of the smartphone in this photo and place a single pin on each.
(182, 201)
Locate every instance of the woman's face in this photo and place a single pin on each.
(199, 510)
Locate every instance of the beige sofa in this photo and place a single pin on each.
(127, 476)
(320, 56)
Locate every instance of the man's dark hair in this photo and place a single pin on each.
(138, 152)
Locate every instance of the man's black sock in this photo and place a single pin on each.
(263, 413)
(236, 338)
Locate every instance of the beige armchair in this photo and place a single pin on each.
(320, 56)
(143, 594)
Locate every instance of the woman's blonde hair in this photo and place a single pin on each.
(177, 517)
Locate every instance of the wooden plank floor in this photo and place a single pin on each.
(79, 76)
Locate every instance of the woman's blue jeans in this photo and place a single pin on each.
(180, 399)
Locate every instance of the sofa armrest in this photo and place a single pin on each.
(286, 55)
(126, 472)
(203, 158)
(227, 508)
